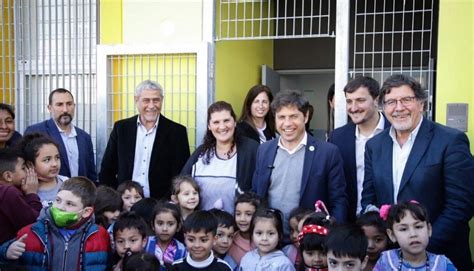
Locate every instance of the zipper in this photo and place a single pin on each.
(65, 253)
(44, 245)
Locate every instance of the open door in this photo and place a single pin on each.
(271, 79)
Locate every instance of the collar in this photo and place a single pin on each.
(201, 264)
(413, 133)
(139, 122)
(380, 127)
(302, 143)
(73, 129)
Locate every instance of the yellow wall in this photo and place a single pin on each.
(238, 68)
(238, 63)
(7, 60)
(455, 69)
(111, 29)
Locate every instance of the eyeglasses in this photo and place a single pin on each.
(405, 101)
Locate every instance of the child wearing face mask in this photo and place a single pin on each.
(42, 154)
(65, 236)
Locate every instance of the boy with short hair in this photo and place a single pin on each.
(65, 236)
(224, 236)
(346, 248)
(19, 203)
(130, 236)
(131, 192)
(199, 235)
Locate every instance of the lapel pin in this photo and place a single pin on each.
(311, 148)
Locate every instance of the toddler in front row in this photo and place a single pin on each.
(409, 226)
(267, 234)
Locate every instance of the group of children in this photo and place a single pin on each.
(48, 222)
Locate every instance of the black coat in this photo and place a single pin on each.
(170, 152)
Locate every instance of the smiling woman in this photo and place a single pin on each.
(223, 165)
(8, 135)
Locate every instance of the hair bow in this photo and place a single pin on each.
(384, 209)
(319, 206)
(316, 229)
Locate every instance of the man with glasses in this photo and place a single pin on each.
(417, 159)
(362, 95)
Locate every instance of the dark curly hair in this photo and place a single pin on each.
(208, 149)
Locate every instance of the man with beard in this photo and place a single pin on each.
(75, 145)
(362, 107)
(417, 159)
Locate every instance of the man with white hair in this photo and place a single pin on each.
(147, 148)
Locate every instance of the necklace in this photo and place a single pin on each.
(400, 263)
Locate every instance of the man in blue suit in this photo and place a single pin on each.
(297, 169)
(417, 159)
(75, 145)
(362, 107)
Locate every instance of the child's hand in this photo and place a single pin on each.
(30, 184)
(16, 249)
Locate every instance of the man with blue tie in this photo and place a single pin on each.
(417, 159)
(362, 95)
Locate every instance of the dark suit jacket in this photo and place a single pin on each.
(323, 175)
(170, 152)
(247, 130)
(13, 140)
(344, 138)
(438, 174)
(246, 152)
(84, 145)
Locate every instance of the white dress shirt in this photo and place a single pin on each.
(360, 142)
(72, 150)
(400, 157)
(143, 148)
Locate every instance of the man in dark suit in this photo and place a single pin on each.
(147, 148)
(75, 145)
(297, 169)
(417, 159)
(362, 107)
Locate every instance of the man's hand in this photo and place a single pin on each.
(16, 249)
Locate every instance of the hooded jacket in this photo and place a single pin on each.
(87, 247)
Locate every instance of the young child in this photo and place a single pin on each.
(225, 235)
(186, 193)
(346, 247)
(19, 203)
(267, 234)
(140, 262)
(108, 206)
(42, 153)
(65, 236)
(199, 235)
(165, 223)
(129, 237)
(145, 208)
(375, 230)
(409, 226)
(291, 251)
(245, 206)
(131, 192)
(311, 239)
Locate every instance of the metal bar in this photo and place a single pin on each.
(393, 39)
(311, 18)
(354, 64)
(320, 11)
(403, 36)
(383, 40)
(342, 60)
(364, 38)
(373, 42)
